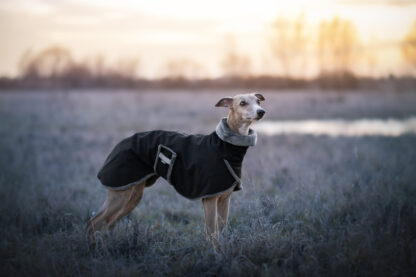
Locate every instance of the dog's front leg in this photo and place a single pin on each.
(223, 209)
(210, 210)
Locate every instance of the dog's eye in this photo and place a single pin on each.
(243, 103)
(258, 101)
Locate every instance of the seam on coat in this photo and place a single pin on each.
(215, 194)
(131, 184)
(231, 170)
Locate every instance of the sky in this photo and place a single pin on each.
(160, 31)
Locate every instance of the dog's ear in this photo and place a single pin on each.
(260, 96)
(225, 102)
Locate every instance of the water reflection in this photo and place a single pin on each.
(339, 127)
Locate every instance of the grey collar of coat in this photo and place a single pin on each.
(228, 135)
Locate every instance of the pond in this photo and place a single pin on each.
(340, 127)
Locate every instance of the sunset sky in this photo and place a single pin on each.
(159, 31)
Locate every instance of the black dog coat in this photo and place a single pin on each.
(196, 165)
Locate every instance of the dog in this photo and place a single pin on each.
(206, 167)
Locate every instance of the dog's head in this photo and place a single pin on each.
(245, 106)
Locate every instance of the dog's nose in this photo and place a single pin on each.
(260, 113)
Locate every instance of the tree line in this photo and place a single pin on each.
(333, 52)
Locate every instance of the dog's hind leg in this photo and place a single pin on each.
(98, 221)
(132, 201)
(117, 204)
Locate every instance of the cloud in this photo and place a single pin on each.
(398, 3)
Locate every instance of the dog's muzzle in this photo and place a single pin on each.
(260, 113)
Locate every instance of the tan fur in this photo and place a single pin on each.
(117, 205)
(216, 209)
(216, 213)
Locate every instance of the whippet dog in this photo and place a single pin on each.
(206, 167)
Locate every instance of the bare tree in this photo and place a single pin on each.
(25, 65)
(52, 62)
(371, 56)
(96, 65)
(338, 45)
(233, 63)
(408, 46)
(185, 68)
(127, 67)
(289, 44)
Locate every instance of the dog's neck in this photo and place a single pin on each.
(237, 124)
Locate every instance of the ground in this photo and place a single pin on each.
(311, 205)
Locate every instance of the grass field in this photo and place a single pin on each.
(311, 205)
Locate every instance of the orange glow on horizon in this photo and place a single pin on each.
(161, 33)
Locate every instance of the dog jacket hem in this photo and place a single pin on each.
(131, 184)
